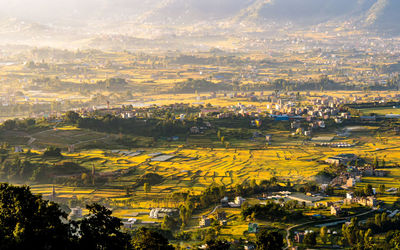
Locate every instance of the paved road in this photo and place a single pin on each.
(320, 222)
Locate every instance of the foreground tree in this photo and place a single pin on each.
(310, 239)
(393, 240)
(324, 234)
(29, 222)
(100, 230)
(267, 239)
(218, 245)
(147, 239)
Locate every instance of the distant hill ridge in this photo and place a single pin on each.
(377, 14)
(44, 15)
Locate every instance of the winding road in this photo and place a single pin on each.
(320, 222)
(210, 213)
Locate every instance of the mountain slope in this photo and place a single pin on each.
(139, 18)
(384, 15)
(191, 11)
(308, 12)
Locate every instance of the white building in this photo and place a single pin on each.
(76, 212)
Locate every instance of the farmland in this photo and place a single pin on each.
(381, 111)
(192, 168)
(136, 131)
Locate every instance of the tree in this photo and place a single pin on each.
(29, 222)
(324, 234)
(146, 187)
(127, 191)
(350, 232)
(378, 220)
(100, 230)
(72, 116)
(214, 244)
(85, 178)
(382, 188)
(52, 152)
(368, 191)
(170, 223)
(269, 239)
(376, 162)
(310, 239)
(394, 242)
(10, 124)
(147, 239)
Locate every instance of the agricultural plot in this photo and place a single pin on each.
(76, 192)
(203, 161)
(64, 137)
(380, 111)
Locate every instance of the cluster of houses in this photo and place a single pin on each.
(354, 172)
(299, 236)
(342, 159)
(205, 221)
(364, 201)
(76, 213)
(305, 119)
(220, 217)
(157, 213)
(237, 203)
(336, 208)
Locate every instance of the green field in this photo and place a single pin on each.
(380, 111)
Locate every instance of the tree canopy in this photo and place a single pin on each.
(29, 222)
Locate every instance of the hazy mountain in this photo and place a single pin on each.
(312, 11)
(384, 15)
(189, 11)
(80, 19)
(381, 14)
(303, 12)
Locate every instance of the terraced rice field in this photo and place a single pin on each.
(194, 169)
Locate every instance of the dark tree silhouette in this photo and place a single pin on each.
(29, 222)
(100, 230)
(269, 239)
(147, 239)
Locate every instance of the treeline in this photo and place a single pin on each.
(271, 211)
(18, 124)
(112, 83)
(361, 236)
(202, 85)
(323, 83)
(381, 223)
(214, 60)
(23, 171)
(372, 105)
(149, 127)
